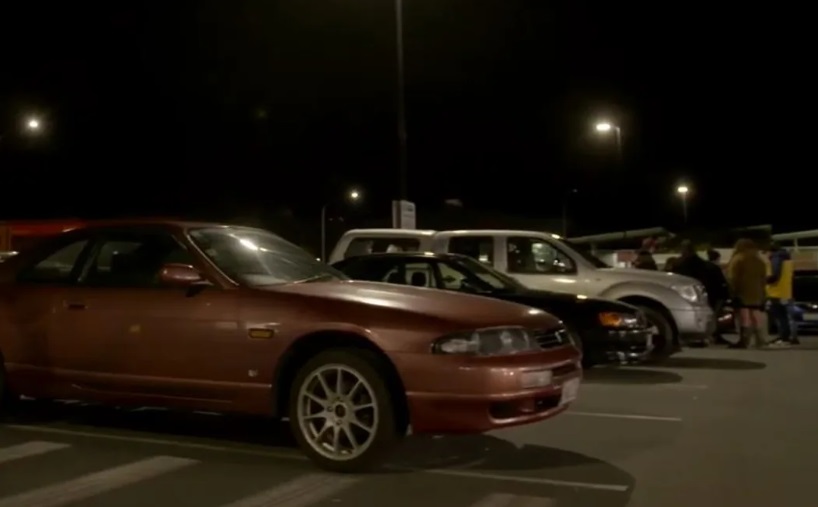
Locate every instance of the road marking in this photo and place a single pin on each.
(267, 453)
(96, 483)
(655, 387)
(520, 479)
(506, 500)
(28, 449)
(300, 492)
(635, 417)
(297, 456)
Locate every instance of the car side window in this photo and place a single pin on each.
(537, 256)
(366, 246)
(57, 267)
(477, 247)
(370, 270)
(135, 261)
(451, 278)
(417, 274)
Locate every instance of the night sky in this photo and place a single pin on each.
(174, 107)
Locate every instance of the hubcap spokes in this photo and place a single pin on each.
(337, 412)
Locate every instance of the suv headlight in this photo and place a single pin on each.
(691, 293)
(495, 341)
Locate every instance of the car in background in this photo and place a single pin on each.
(676, 306)
(232, 319)
(606, 331)
(6, 255)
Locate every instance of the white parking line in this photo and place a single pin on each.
(506, 500)
(300, 492)
(527, 480)
(653, 387)
(96, 483)
(635, 417)
(297, 456)
(28, 449)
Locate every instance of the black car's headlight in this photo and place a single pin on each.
(620, 320)
(495, 341)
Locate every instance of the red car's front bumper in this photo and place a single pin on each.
(449, 394)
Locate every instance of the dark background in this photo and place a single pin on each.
(241, 108)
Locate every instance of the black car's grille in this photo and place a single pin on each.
(551, 338)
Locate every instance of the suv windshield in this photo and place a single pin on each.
(586, 254)
(257, 258)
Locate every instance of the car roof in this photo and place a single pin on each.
(405, 255)
(126, 223)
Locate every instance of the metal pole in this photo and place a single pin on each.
(565, 216)
(402, 150)
(324, 233)
(684, 208)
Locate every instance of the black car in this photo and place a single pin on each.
(606, 331)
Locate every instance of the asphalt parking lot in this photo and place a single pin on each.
(711, 427)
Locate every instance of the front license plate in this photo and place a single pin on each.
(540, 378)
(811, 316)
(570, 390)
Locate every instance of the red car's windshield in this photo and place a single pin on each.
(254, 257)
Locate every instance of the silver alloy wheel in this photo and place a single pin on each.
(337, 412)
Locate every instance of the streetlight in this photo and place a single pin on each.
(353, 195)
(683, 190)
(33, 124)
(604, 127)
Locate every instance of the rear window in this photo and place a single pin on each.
(366, 246)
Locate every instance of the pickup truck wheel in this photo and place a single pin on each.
(663, 343)
(341, 411)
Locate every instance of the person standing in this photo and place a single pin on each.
(747, 277)
(644, 260)
(708, 274)
(779, 294)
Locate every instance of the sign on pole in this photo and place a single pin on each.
(403, 215)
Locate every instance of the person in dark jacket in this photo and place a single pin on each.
(708, 274)
(644, 260)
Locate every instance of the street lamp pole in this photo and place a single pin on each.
(353, 195)
(403, 165)
(683, 190)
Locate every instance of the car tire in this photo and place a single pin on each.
(664, 343)
(334, 435)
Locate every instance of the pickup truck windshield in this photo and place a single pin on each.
(586, 254)
(257, 258)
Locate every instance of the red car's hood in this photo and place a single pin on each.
(462, 308)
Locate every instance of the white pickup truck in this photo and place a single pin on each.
(676, 305)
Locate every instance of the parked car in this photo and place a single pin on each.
(676, 306)
(223, 318)
(606, 331)
(6, 255)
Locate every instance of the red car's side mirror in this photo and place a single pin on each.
(180, 275)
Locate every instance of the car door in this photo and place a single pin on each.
(124, 334)
(30, 303)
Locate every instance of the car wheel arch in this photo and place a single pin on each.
(307, 346)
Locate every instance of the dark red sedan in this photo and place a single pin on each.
(223, 318)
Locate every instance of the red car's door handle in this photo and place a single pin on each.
(74, 305)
